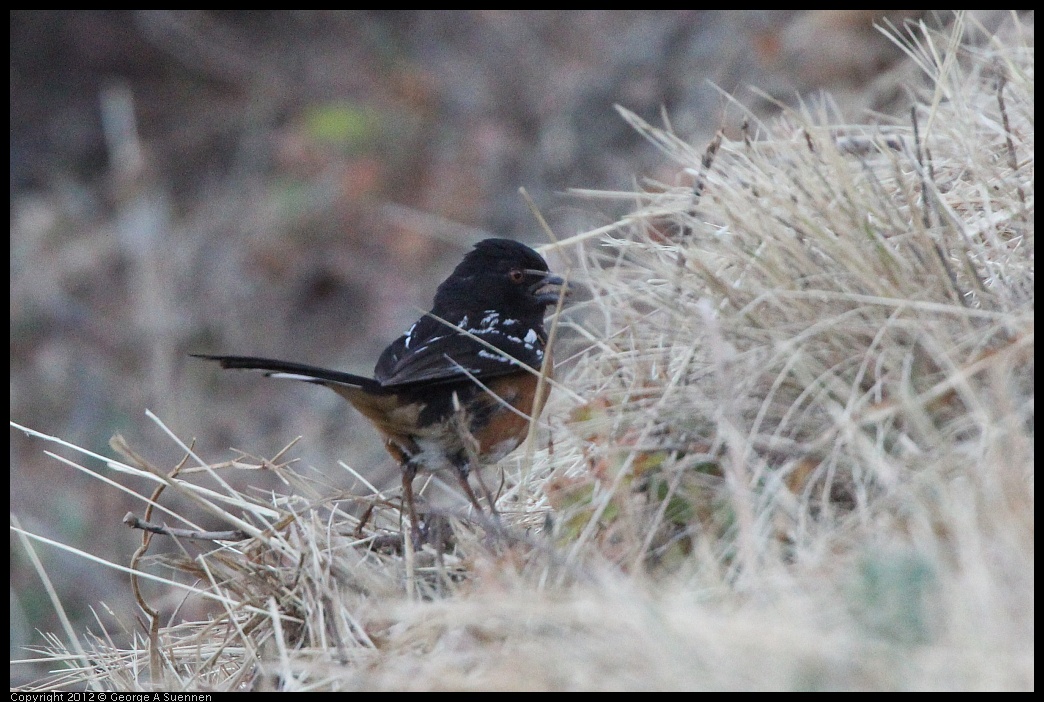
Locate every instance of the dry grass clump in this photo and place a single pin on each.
(795, 450)
(816, 320)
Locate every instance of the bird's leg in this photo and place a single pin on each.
(409, 472)
(493, 527)
(462, 478)
(470, 457)
(487, 494)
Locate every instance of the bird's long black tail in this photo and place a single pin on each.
(293, 371)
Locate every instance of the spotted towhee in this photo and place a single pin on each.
(459, 387)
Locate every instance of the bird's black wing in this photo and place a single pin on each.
(431, 353)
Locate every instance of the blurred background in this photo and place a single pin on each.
(295, 184)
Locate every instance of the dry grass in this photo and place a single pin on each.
(803, 458)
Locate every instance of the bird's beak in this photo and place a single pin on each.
(548, 289)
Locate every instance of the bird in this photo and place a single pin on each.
(458, 389)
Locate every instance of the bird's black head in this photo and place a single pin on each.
(499, 274)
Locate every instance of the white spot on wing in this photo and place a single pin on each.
(483, 353)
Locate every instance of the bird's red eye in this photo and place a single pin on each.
(516, 275)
